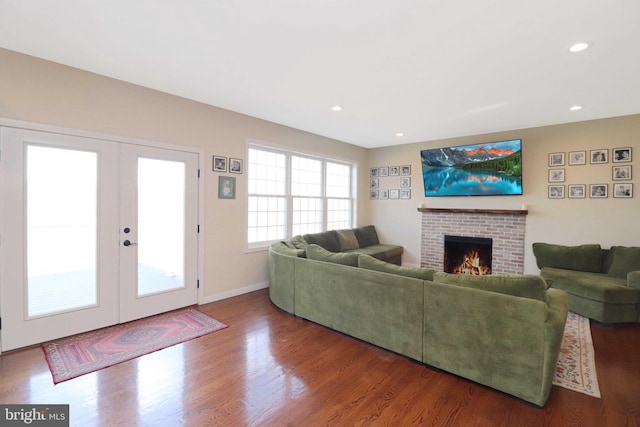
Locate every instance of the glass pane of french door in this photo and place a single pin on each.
(161, 225)
(61, 229)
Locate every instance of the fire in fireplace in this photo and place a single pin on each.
(467, 255)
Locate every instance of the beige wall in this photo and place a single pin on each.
(42, 92)
(566, 221)
(38, 91)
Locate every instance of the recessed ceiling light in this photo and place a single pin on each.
(399, 134)
(576, 108)
(578, 47)
(336, 108)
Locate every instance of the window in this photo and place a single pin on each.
(291, 194)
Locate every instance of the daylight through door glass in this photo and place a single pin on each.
(61, 229)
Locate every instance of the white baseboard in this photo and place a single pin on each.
(233, 293)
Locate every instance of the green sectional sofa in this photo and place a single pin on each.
(603, 284)
(500, 331)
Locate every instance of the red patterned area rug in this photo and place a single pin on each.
(576, 368)
(88, 352)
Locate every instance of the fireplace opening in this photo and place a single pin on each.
(467, 255)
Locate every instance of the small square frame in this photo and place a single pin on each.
(621, 173)
(405, 194)
(394, 170)
(226, 187)
(405, 170)
(556, 159)
(599, 156)
(623, 191)
(394, 194)
(556, 175)
(236, 165)
(598, 191)
(621, 155)
(383, 194)
(577, 191)
(556, 192)
(373, 172)
(373, 194)
(577, 158)
(383, 171)
(374, 183)
(219, 164)
(405, 182)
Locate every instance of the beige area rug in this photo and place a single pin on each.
(576, 369)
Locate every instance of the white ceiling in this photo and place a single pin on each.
(430, 69)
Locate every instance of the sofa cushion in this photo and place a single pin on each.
(370, 263)
(367, 236)
(578, 258)
(285, 249)
(347, 240)
(298, 242)
(319, 253)
(326, 239)
(380, 251)
(525, 286)
(625, 260)
(593, 286)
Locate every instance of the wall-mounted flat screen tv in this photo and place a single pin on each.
(491, 169)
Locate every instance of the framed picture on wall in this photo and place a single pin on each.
(621, 173)
(219, 164)
(623, 190)
(556, 191)
(383, 171)
(599, 156)
(405, 194)
(394, 170)
(383, 194)
(577, 158)
(556, 159)
(598, 191)
(556, 175)
(373, 194)
(394, 194)
(374, 172)
(405, 182)
(620, 155)
(235, 165)
(577, 191)
(405, 170)
(227, 187)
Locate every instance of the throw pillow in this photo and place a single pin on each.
(319, 253)
(347, 240)
(578, 258)
(367, 236)
(370, 263)
(625, 259)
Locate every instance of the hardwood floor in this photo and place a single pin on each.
(271, 369)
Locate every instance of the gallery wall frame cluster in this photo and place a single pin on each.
(390, 183)
(618, 159)
(227, 184)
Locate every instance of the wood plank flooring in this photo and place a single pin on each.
(271, 369)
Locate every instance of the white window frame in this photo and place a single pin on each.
(352, 199)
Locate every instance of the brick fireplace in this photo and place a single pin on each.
(506, 228)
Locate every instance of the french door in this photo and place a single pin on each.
(94, 233)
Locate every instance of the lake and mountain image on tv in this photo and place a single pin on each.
(489, 169)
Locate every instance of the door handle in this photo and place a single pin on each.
(129, 243)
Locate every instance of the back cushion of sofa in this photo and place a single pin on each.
(371, 263)
(319, 253)
(367, 236)
(524, 286)
(624, 260)
(326, 239)
(578, 258)
(347, 240)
